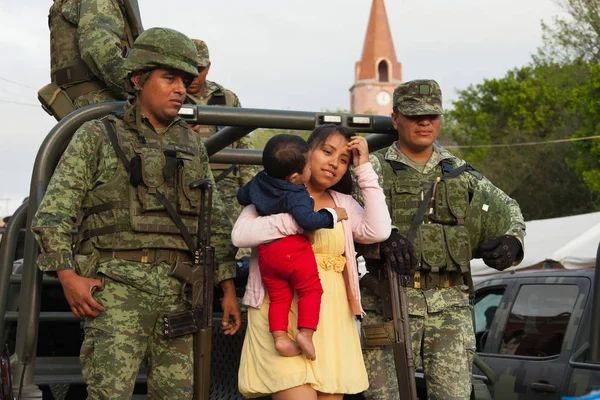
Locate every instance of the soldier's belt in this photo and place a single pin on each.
(419, 280)
(153, 256)
(375, 335)
(429, 280)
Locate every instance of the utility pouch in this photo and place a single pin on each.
(451, 202)
(55, 101)
(152, 162)
(171, 165)
(182, 323)
(189, 199)
(376, 335)
(135, 171)
(432, 246)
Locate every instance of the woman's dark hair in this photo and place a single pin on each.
(319, 136)
(284, 155)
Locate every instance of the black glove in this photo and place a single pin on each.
(499, 252)
(400, 253)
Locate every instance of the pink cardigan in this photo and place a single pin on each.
(371, 224)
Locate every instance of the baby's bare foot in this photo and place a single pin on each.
(304, 340)
(284, 345)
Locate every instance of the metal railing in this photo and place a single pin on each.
(237, 121)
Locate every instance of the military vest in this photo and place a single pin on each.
(119, 215)
(66, 66)
(442, 241)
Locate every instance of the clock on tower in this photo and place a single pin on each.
(383, 98)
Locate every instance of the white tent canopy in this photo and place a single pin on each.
(571, 241)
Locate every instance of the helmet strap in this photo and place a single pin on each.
(136, 108)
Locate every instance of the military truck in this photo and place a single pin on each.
(38, 330)
(40, 337)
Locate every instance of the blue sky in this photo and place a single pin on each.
(293, 54)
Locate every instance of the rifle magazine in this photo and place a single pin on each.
(377, 335)
(182, 323)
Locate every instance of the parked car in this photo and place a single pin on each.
(536, 330)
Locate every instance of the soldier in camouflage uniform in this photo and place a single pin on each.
(118, 277)
(465, 217)
(88, 41)
(229, 178)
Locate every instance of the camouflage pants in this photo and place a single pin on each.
(443, 343)
(129, 332)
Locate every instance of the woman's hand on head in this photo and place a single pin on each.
(360, 150)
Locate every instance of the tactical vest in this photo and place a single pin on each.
(119, 215)
(66, 66)
(442, 241)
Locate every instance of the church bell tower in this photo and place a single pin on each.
(378, 72)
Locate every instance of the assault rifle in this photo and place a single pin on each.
(403, 354)
(198, 290)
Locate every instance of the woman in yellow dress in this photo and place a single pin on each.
(339, 367)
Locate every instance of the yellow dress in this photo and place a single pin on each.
(339, 367)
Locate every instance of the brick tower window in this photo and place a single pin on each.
(383, 71)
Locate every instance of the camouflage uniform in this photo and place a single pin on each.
(88, 39)
(215, 94)
(121, 222)
(467, 210)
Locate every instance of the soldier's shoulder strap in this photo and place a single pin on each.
(217, 98)
(450, 170)
(114, 141)
(383, 162)
(396, 165)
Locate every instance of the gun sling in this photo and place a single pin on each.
(226, 172)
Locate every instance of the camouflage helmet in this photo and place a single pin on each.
(419, 97)
(162, 47)
(203, 55)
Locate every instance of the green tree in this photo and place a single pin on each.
(261, 135)
(574, 41)
(588, 152)
(530, 104)
(575, 37)
(556, 96)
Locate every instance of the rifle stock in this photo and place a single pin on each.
(402, 346)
